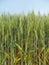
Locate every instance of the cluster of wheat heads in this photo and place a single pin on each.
(24, 39)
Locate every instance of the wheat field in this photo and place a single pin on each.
(24, 39)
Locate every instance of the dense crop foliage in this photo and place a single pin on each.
(24, 40)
